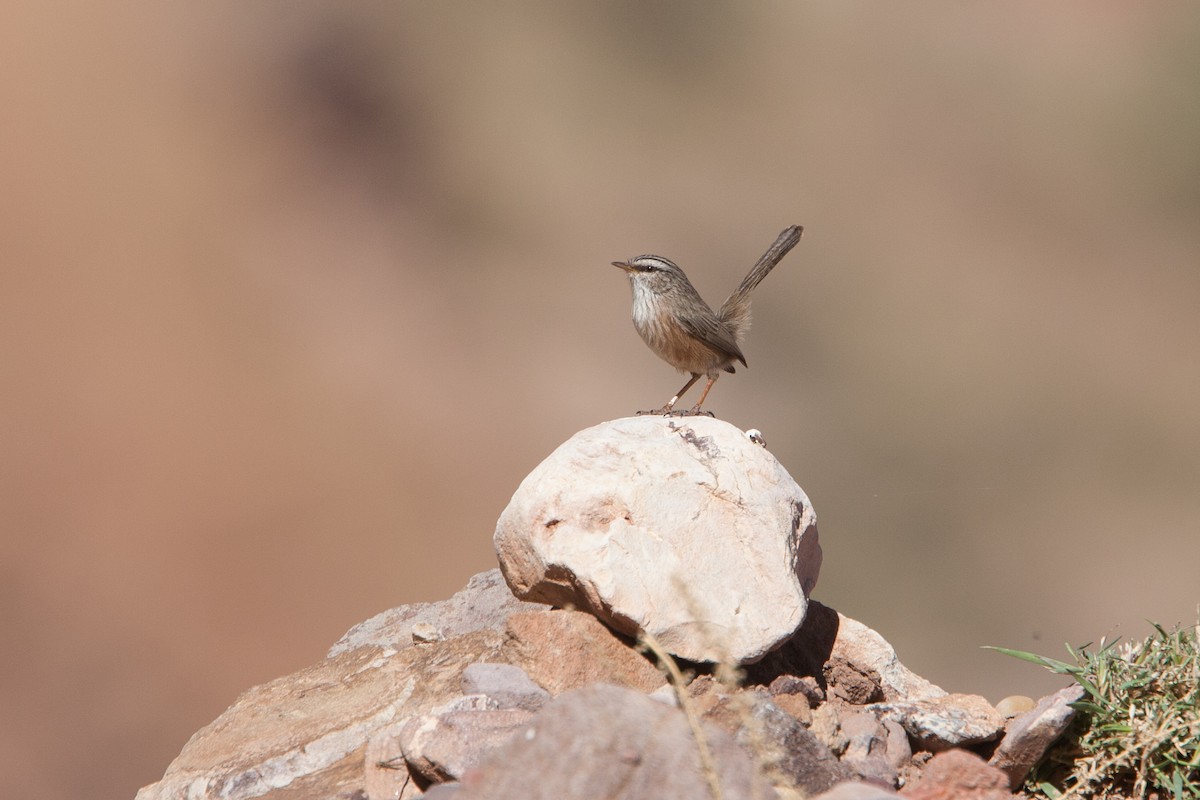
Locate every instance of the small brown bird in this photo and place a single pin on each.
(680, 327)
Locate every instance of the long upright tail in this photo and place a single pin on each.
(735, 311)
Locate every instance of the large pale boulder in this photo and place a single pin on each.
(682, 527)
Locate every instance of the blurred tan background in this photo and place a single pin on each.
(295, 294)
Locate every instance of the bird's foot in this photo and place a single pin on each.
(665, 411)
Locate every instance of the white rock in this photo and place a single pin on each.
(682, 527)
(941, 723)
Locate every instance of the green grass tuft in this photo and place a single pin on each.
(1138, 727)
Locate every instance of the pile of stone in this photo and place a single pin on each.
(650, 634)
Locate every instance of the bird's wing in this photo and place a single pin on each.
(709, 329)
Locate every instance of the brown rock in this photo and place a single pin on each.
(507, 685)
(796, 705)
(854, 683)
(827, 726)
(706, 693)
(871, 748)
(854, 790)
(798, 685)
(959, 775)
(610, 743)
(861, 662)
(343, 727)
(1031, 734)
(785, 750)
(897, 750)
(385, 772)
(443, 791)
(866, 752)
(312, 732)
(566, 649)
(797, 696)
(445, 743)
(311, 729)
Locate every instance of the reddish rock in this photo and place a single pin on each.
(873, 749)
(805, 686)
(445, 743)
(506, 685)
(790, 755)
(855, 790)
(846, 658)
(564, 649)
(867, 748)
(796, 705)
(959, 775)
(610, 743)
(1031, 734)
(852, 682)
(786, 751)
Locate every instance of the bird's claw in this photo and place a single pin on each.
(665, 411)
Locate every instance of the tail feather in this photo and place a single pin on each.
(736, 310)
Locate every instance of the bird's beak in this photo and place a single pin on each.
(630, 268)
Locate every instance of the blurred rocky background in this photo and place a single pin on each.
(295, 294)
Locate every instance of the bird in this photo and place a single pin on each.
(682, 329)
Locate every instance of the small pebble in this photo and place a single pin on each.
(1013, 705)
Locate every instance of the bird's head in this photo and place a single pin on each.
(653, 274)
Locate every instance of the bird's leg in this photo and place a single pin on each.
(696, 408)
(666, 410)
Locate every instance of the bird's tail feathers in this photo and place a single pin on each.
(736, 310)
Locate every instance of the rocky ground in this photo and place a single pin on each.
(529, 684)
